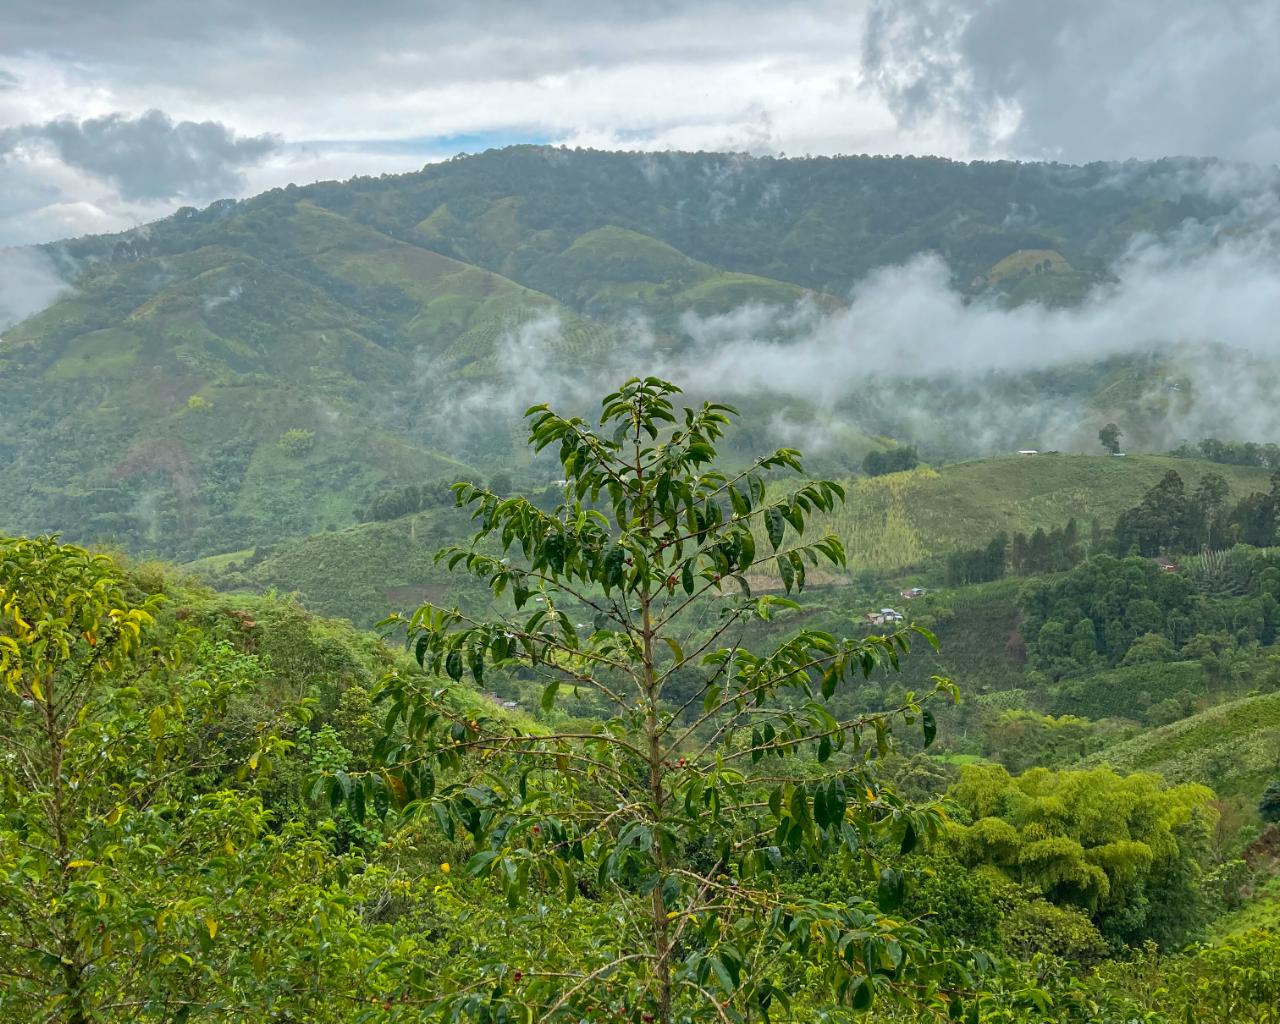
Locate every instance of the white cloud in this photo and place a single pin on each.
(29, 282)
(405, 83)
(1086, 80)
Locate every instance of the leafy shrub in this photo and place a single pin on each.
(1124, 850)
(297, 442)
(1029, 925)
(1269, 804)
(894, 460)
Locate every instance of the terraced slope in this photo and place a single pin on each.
(891, 523)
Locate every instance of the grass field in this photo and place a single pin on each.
(891, 524)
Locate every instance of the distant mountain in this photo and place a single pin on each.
(258, 370)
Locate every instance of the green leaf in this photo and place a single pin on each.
(787, 573)
(890, 890)
(614, 567)
(722, 974)
(775, 526)
(929, 725)
(863, 995)
(453, 665)
(155, 723)
(443, 819)
(479, 863)
(549, 695)
(797, 565)
(908, 838)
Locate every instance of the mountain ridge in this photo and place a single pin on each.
(386, 326)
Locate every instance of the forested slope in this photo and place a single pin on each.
(258, 369)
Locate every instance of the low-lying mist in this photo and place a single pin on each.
(29, 282)
(1179, 341)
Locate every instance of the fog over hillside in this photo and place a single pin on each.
(1166, 329)
(1095, 240)
(1202, 299)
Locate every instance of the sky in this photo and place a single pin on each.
(116, 113)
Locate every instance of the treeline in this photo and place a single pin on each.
(1172, 520)
(1123, 611)
(1053, 550)
(1169, 520)
(1232, 453)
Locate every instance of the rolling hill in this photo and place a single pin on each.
(1232, 747)
(889, 525)
(254, 371)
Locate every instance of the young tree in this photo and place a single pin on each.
(691, 816)
(1269, 804)
(128, 892)
(1110, 436)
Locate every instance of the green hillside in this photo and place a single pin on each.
(1234, 747)
(892, 523)
(889, 525)
(393, 327)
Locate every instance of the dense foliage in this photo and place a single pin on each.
(1233, 453)
(1110, 611)
(891, 460)
(688, 821)
(217, 807)
(1124, 851)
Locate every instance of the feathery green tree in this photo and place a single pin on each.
(688, 814)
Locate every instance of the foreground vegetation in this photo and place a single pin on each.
(728, 805)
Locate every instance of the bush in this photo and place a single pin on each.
(1148, 649)
(297, 442)
(1269, 805)
(894, 460)
(1031, 926)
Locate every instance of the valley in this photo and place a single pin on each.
(872, 668)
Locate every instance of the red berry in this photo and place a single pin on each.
(517, 976)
